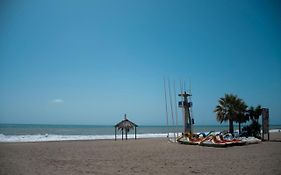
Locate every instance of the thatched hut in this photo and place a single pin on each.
(125, 126)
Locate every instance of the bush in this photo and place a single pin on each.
(254, 129)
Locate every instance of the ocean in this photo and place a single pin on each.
(38, 132)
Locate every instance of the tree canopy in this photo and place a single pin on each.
(231, 109)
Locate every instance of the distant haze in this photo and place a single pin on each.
(90, 62)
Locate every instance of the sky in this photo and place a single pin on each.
(91, 61)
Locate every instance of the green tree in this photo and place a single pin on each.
(241, 113)
(254, 128)
(255, 113)
(231, 109)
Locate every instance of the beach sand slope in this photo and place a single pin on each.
(144, 156)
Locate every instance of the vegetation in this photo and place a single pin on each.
(254, 128)
(255, 113)
(234, 109)
(241, 113)
(231, 109)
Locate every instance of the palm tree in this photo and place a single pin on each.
(231, 108)
(254, 127)
(241, 114)
(255, 113)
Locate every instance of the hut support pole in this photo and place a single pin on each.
(135, 133)
(126, 132)
(115, 133)
(122, 133)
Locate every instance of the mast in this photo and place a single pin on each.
(166, 106)
(186, 105)
(171, 105)
(176, 109)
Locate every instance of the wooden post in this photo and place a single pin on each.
(268, 136)
(265, 123)
(115, 133)
(135, 132)
(122, 133)
(126, 132)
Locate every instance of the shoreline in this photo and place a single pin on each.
(94, 140)
(274, 137)
(53, 137)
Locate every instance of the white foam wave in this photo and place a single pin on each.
(274, 130)
(51, 137)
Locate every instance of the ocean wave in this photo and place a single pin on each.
(54, 137)
(51, 137)
(274, 130)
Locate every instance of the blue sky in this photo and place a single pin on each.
(89, 62)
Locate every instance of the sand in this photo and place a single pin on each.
(144, 156)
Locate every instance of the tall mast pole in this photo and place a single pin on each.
(176, 111)
(166, 106)
(171, 105)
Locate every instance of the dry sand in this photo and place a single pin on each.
(144, 156)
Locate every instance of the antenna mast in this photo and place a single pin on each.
(186, 105)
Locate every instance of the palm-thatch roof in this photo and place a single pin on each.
(125, 124)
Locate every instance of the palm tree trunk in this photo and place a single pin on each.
(231, 126)
(239, 125)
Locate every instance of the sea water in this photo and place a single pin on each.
(37, 133)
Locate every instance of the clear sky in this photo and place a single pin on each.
(90, 61)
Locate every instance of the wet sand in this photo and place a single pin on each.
(143, 156)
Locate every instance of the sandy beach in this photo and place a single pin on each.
(143, 156)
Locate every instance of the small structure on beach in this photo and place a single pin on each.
(125, 126)
(265, 122)
(186, 104)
